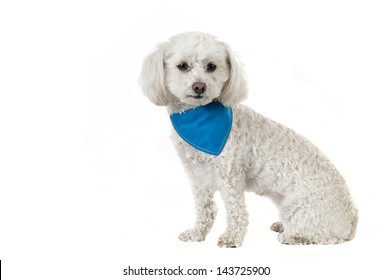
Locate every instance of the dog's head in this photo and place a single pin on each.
(195, 69)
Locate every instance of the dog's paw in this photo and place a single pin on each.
(229, 241)
(294, 240)
(278, 227)
(192, 235)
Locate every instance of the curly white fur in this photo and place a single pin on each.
(260, 155)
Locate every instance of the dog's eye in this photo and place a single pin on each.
(183, 66)
(211, 67)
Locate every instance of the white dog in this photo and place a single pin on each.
(228, 147)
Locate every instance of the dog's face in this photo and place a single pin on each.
(195, 69)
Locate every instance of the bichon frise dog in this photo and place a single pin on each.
(228, 147)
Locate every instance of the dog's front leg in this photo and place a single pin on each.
(205, 215)
(232, 191)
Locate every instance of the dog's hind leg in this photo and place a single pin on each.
(317, 219)
(205, 215)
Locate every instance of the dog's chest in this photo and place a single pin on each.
(203, 169)
(190, 155)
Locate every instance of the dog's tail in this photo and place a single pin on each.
(353, 226)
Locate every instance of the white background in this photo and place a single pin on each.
(89, 181)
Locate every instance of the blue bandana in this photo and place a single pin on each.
(206, 128)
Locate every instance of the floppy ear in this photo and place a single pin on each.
(235, 89)
(152, 80)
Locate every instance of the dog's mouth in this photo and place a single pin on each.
(195, 96)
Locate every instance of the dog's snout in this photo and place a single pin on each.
(199, 87)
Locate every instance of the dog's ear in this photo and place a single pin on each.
(152, 78)
(235, 89)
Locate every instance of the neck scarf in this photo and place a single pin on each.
(206, 128)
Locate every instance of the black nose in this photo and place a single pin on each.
(199, 88)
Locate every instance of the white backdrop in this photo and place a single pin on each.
(89, 181)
